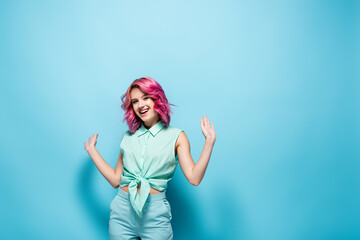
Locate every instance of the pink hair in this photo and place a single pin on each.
(153, 89)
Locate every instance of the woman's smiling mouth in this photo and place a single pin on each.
(144, 111)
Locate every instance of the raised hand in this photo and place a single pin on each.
(207, 130)
(92, 142)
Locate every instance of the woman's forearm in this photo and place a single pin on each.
(199, 169)
(105, 169)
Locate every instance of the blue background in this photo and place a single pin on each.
(279, 80)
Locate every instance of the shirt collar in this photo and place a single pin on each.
(153, 130)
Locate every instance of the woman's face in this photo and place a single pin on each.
(143, 106)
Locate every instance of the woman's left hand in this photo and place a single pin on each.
(207, 130)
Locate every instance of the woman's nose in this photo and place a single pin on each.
(141, 104)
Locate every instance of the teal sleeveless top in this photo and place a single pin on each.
(149, 158)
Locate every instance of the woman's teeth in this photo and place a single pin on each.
(144, 111)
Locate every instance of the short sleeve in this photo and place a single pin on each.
(176, 136)
(122, 144)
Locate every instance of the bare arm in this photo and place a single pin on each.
(194, 173)
(113, 176)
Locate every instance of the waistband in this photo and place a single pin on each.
(151, 197)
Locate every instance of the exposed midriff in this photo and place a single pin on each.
(152, 190)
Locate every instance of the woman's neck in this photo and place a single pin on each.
(149, 125)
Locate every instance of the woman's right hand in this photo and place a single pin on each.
(91, 143)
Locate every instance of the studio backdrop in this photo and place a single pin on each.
(279, 80)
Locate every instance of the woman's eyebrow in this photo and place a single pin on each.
(145, 95)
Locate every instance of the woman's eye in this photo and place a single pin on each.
(146, 98)
(134, 102)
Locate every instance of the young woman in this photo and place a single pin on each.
(149, 153)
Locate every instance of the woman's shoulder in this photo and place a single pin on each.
(173, 130)
(127, 134)
(126, 137)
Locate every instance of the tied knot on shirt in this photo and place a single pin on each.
(139, 179)
(138, 200)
